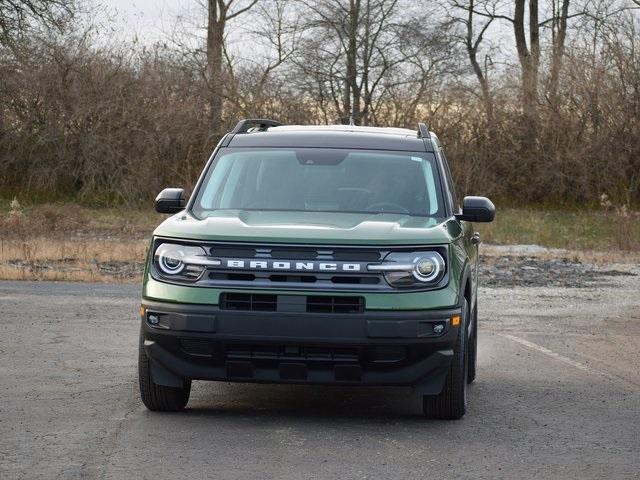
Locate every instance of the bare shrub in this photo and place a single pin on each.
(625, 219)
(112, 125)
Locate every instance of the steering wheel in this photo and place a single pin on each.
(395, 208)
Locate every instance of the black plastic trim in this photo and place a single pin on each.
(209, 321)
(426, 376)
(425, 370)
(244, 125)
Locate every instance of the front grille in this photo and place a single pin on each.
(249, 302)
(292, 352)
(295, 278)
(220, 352)
(331, 304)
(354, 280)
(197, 347)
(254, 302)
(291, 279)
(297, 253)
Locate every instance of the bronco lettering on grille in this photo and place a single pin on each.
(289, 265)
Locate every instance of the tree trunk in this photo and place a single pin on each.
(529, 60)
(472, 52)
(365, 88)
(352, 104)
(215, 39)
(557, 53)
(534, 41)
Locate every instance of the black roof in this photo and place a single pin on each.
(331, 136)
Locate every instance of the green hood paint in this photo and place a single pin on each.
(311, 228)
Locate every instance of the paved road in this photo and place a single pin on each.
(558, 396)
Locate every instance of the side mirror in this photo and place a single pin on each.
(477, 209)
(170, 200)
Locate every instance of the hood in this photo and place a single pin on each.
(311, 228)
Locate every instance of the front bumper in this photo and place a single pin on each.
(204, 342)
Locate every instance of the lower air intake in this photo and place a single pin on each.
(252, 302)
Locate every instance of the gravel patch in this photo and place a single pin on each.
(530, 271)
(118, 270)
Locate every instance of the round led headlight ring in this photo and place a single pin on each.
(425, 267)
(428, 267)
(170, 259)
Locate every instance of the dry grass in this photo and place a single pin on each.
(71, 242)
(611, 229)
(70, 219)
(80, 275)
(75, 260)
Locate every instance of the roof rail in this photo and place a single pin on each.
(248, 124)
(423, 130)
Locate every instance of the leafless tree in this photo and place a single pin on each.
(560, 9)
(276, 30)
(528, 28)
(86, 119)
(16, 16)
(220, 12)
(528, 54)
(474, 35)
(353, 51)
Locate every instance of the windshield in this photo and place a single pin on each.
(321, 180)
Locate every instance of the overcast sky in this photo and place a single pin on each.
(146, 19)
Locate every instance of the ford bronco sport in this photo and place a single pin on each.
(318, 255)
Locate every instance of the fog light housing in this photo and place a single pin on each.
(153, 319)
(438, 328)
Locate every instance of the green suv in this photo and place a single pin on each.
(315, 255)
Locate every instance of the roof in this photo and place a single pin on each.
(347, 128)
(332, 136)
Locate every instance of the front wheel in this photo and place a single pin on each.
(159, 398)
(451, 403)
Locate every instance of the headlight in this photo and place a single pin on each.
(412, 269)
(180, 261)
(429, 267)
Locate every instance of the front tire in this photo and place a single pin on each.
(451, 403)
(156, 397)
